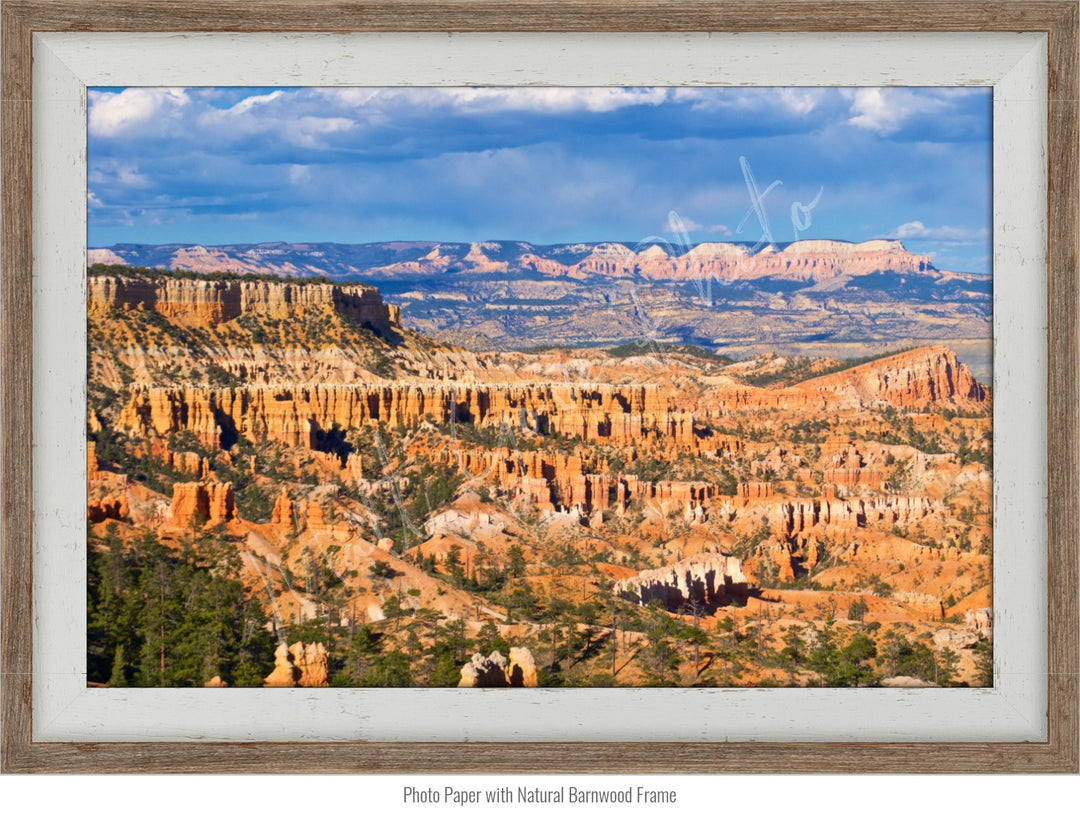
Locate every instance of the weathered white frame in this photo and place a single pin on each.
(1013, 711)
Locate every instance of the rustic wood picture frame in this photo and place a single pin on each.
(21, 19)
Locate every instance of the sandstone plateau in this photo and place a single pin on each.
(809, 298)
(211, 302)
(809, 260)
(641, 516)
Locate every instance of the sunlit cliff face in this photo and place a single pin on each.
(594, 508)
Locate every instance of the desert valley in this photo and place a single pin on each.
(600, 465)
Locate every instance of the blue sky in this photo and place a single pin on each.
(546, 165)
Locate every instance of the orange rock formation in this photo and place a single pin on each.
(283, 510)
(709, 580)
(913, 379)
(211, 302)
(803, 261)
(295, 414)
(298, 665)
(114, 508)
(496, 671)
(203, 502)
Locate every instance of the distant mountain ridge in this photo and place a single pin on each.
(804, 263)
(808, 298)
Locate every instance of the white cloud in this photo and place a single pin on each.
(707, 99)
(797, 101)
(113, 113)
(801, 100)
(690, 225)
(683, 223)
(886, 110)
(299, 174)
(118, 173)
(306, 130)
(350, 97)
(277, 116)
(917, 230)
(245, 105)
(490, 100)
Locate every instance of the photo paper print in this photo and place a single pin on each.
(514, 387)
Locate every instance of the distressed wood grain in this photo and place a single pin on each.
(537, 15)
(16, 501)
(1059, 20)
(1063, 398)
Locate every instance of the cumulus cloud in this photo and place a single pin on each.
(276, 119)
(245, 105)
(797, 102)
(117, 174)
(801, 100)
(684, 224)
(111, 114)
(887, 110)
(917, 230)
(489, 100)
(875, 109)
(232, 165)
(680, 223)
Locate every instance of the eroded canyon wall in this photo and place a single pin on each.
(708, 580)
(808, 261)
(211, 302)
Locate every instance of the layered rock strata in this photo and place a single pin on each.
(296, 414)
(211, 302)
(708, 580)
(809, 261)
(793, 519)
(911, 380)
(602, 414)
(551, 480)
(804, 261)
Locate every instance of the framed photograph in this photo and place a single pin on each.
(540, 387)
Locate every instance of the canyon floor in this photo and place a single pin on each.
(287, 487)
